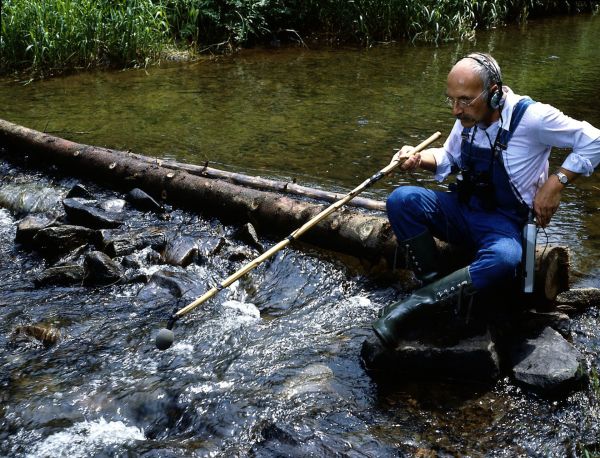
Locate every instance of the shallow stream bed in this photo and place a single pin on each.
(271, 366)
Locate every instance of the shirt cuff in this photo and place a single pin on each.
(443, 164)
(578, 164)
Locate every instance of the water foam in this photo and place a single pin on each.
(86, 439)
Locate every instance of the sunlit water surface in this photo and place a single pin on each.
(271, 366)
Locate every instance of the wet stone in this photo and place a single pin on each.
(60, 275)
(536, 321)
(29, 226)
(547, 362)
(79, 190)
(241, 253)
(210, 245)
(131, 262)
(580, 298)
(74, 256)
(46, 335)
(100, 269)
(181, 251)
(153, 257)
(470, 359)
(166, 284)
(120, 243)
(89, 214)
(142, 201)
(135, 277)
(58, 240)
(113, 205)
(247, 234)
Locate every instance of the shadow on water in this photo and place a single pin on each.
(271, 367)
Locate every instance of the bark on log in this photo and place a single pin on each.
(265, 184)
(354, 232)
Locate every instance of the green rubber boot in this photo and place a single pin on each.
(395, 318)
(421, 256)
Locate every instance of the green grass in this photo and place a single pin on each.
(47, 36)
(44, 37)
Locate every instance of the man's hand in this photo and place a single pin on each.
(548, 197)
(547, 200)
(408, 160)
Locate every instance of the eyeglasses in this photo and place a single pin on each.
(462, 102)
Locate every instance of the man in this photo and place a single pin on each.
(499, 148)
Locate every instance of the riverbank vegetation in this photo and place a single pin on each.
(45, 37)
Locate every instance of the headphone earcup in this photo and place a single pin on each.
(495, 99)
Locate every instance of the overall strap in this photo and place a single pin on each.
(466, 143)
(504, 135)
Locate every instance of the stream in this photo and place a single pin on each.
(271, 366)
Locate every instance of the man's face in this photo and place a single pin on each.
(468, 96)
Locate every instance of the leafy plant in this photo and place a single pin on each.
(46, 36)
(52, 35)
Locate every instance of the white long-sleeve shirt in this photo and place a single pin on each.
(526, 158)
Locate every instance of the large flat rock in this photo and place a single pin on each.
(472, 359)
(547, 362)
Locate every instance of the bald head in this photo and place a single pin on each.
(465, 73)
(483, 65)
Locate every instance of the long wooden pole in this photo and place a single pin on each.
(301, 230)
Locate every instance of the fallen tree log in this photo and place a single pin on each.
(358, 233)
(353, 232)
(265, 184)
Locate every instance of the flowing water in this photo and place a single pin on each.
(271, 366)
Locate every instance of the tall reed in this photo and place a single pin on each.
(240, 22)
(51, 35)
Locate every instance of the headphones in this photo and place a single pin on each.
(494, 98)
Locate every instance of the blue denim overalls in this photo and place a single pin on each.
(495, 234)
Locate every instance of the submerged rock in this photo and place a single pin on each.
(44, 334)
(316, 378)
(167, 285)
(547, 362)
(242, 308)
(23, 199)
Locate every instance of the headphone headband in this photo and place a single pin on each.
(484, 60)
